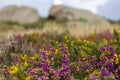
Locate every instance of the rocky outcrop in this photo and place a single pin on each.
(21, 15)
(79, 21)
(59, 12)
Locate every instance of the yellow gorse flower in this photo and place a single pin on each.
(85, 78)
(27, 78)
(24, 57)
(48, 52)
(85, 41)
(78, 39)
(25, 63)
(56, 51)
(65, 37)
(95, 73)
(14, 69)
(35, 56)
(113, 28)
(118, 31)
(84, 56)
(116, 58)
(105, 42)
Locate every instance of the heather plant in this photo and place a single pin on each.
(63, 57)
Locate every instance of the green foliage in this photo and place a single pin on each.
(63, 21)
(57, 61)
(65, 58)
(116, 42)
(82, 20)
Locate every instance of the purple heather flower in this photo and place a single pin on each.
(93, 77)
(52, 54)
(111, 55)
(101, 62)
(16, 59)
(19, 39)
(45, 68)
(94, 63)
(31, 61)
(29, 69)
(108, 48)
(105, 72)
(44, 56)
(117, 75)
(87, 66)
(6, 73)
(102, 49)
(110, 66)
(65, 61)
(111, 49)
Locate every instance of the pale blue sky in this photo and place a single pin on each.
(106, 8)
(110, 10)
